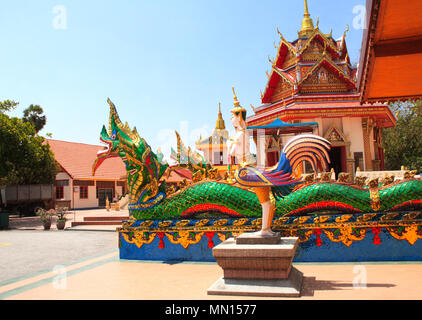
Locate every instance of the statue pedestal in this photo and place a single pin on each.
(257, 266)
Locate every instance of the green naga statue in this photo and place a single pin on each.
(240, 196)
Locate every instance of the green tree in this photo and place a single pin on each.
(24, 157)
(34, 114)
(7, 105)
(403, 143)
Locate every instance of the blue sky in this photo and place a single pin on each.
(165, 64)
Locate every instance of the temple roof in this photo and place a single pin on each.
(296, 61)
(283, 127)
(277, 123)
(76, 159)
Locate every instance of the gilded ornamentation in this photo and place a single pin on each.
(411, 216)
(165, 224)
(343, 218)
(278, 222)
(410, 233)
(300, 220)
(182, 223)
(389, 216)
(345, 229)
(321, 219)
(346, 235)
(344, 177)
(257, 222)
(201, 223)
(220, 222)
(223, 236)
(139, 238)
(146, 224)
(240, 222)
(366, 217)
(185, 238)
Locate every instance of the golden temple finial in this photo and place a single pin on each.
(271, 61)
(235, 103)
(307, 23)
(237, 107)
(279, 33)
(268, 75)
(347, 58)
(219, 124)
(253, 108)
(317, 23)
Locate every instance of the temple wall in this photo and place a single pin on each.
(328, 122)
(352, 129)
(371, 143)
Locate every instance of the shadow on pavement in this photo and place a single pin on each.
(311, 284)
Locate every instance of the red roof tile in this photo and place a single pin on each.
(178, 175)
(77, 160)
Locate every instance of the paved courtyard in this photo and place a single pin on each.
(32, 251)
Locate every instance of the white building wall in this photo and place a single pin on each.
(67, 194)
(119, 191)
(90, 202)
(352, 129)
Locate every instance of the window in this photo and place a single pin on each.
(83, 192)
(62, 183)
(59, 192)
(218, 158)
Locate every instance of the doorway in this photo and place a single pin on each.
(338, 159)
(103, 194)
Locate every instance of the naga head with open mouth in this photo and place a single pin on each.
(144, 170)
(110, 138)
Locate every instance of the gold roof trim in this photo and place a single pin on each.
(318, 64)
(312, 37)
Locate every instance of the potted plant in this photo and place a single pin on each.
(45, 217)
(61, 218)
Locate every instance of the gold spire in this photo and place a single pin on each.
(307, 23)
(220, 125)
(235, 103)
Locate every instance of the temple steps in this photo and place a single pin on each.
(100, 220)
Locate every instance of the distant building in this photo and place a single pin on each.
(176, 176)
(215, 147)
(75, 186)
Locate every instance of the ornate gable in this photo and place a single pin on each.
(318, 37)
(326, 76)
(335, 136)
(282, 90)
(322, 79)
(313, 51)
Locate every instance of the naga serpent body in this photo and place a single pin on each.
(233, 201)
